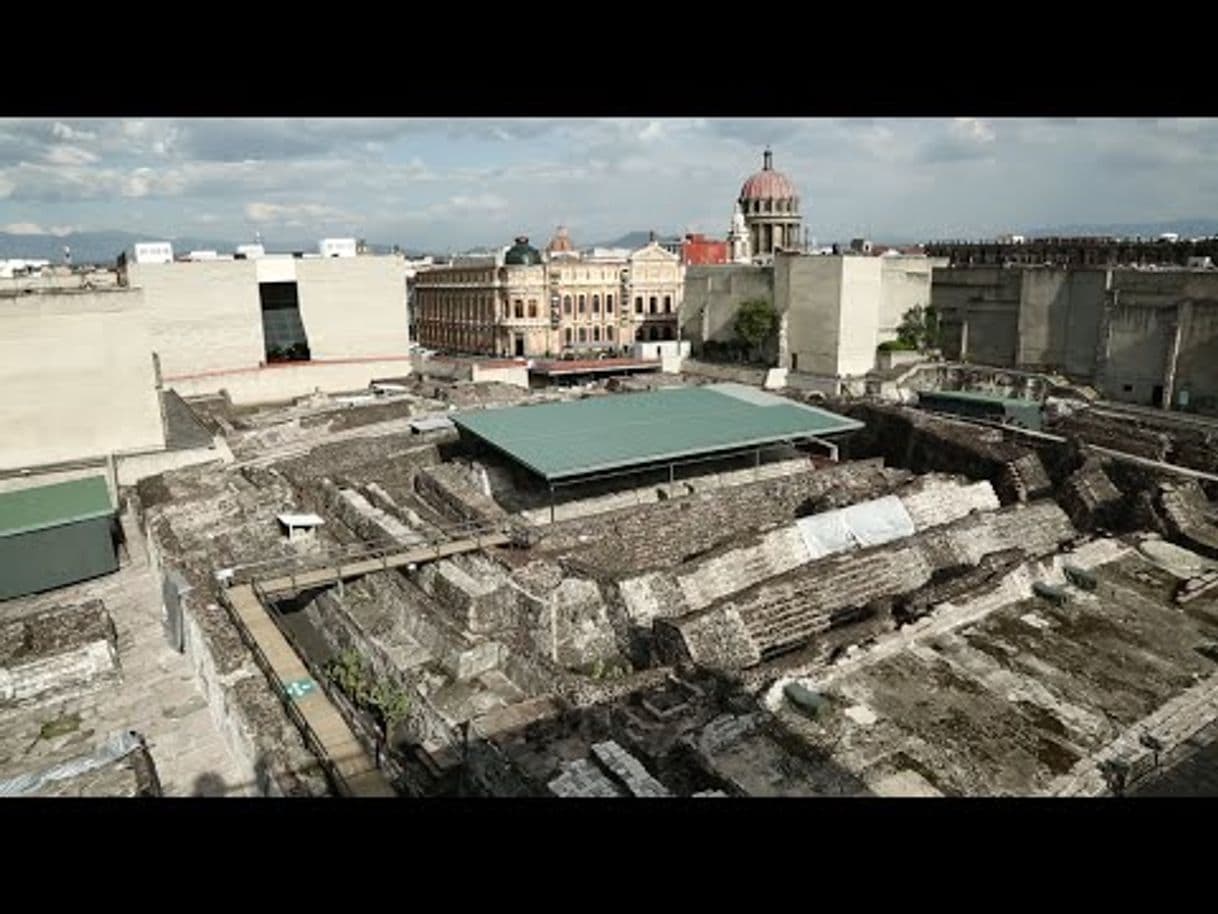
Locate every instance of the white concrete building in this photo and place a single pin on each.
(77, 371)
(275, 326)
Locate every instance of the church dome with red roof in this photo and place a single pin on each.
(768, 184)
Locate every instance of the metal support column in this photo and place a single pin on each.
(551, 504)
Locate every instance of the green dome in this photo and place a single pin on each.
(522, 254)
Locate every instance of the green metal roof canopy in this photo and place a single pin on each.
(561, 440)
(27, 510)
(1027, 413)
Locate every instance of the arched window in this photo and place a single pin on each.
(568, 336)
(668, 304)
(596, 304)
(596, 334)
(653, 334)
(519, 306)
(566, 304)
(608, 304)
(609, 334)
(583, 334)
(668, 331)
(532, 307)
(582, 304)
(638, 304)
(652, 303)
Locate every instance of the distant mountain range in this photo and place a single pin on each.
(634, 240)
(104, 247)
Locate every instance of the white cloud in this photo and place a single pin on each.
(62, 131)
(973, 129)
(69, 155)
(292, 214)
(653, 131)
(24, 228)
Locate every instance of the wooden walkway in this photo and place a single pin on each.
(354, 772)
(288, 584)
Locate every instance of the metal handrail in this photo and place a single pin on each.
(363, 551)
(311, 736)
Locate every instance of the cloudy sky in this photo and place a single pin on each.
(450, 183)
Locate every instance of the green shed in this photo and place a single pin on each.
(1005, 410)
(52, 536)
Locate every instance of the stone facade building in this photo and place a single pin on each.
(1097, 251)
(525, 303)
(1140, 336)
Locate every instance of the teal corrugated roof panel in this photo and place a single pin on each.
(559, 440)
(50, 506)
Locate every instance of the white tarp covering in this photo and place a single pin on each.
(113, 749)
(858, 526)
(879, 521)
(825, 533)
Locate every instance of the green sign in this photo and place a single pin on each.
(300, 688)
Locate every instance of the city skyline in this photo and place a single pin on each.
(465, 182)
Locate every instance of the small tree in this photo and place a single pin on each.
(919, 328)
(755, 322)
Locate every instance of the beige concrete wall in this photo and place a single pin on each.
(809, 291)
(979, 310)
(77, 377)
(1139, 340)
(1197, 366)
(278, 383)
(131, 470)
(713, 295)
(1059, 318)
(905, 284)
(859, 315)
(202, 315)
(516, 375)
(354, 307)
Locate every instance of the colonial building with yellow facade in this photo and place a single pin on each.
(526, 303)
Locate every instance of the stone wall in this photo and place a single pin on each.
(193, 526)
(667, 533)
(57, 652)
(788, 611)
(699, 583)
(451, 489)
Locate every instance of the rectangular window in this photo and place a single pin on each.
(596, 334)
(638, 304)
(608, 304)
(518, 305)
(282, 329)
(581, 304)
(583, 335)
(532, 307)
